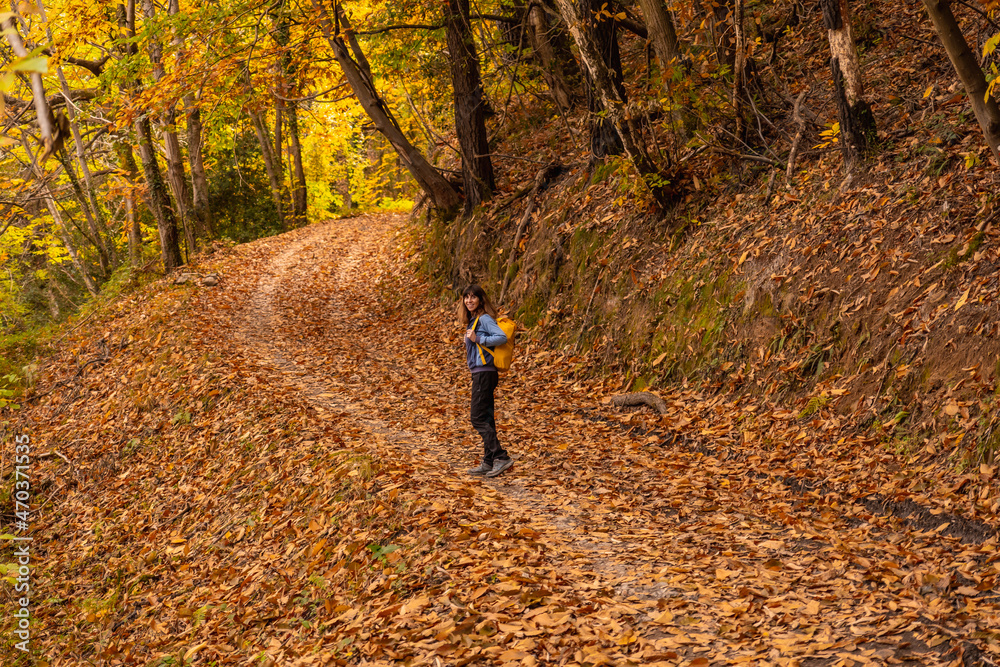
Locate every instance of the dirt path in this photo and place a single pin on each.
(643, 554)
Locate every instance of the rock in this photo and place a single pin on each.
(211, 280)
(184, 278)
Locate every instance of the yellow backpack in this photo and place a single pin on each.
(503, 355)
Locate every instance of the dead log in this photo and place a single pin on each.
(640, 398)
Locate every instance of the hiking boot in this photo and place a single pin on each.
(499, 466)
(481, 469)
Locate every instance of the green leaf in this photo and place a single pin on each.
(38, 64)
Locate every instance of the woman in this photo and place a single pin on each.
(478, 316)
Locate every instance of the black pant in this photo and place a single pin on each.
(483, 420)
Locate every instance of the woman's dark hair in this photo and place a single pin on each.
(485, 305)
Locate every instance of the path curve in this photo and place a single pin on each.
(709, 570)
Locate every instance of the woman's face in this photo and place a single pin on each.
(471, 302)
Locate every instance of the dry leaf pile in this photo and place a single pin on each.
(272, 470)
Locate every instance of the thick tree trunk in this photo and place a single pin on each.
(470, 110)
(166, 221)
(722, 32)
(612, 98)
(662, 33)
(434, 184)
(267, 153)
(196, 158)
(605, 138)
(559, 68)
(857, 123)
(964, 61)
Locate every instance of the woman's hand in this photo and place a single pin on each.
(471, 335)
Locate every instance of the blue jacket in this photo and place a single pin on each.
(489, 335)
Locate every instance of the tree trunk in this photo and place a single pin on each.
(739, 72)
(287, 86)
(156, 196)
(126, 162)
(199, 180)
(434, 184)
(166, 221)
(172, 146)
(37, 89)
(559, 69)
(299, 192)
(662, 33)
(605, 138)
(470, 112)
(964, 61)
(722, 33)
(857, 123)
(612, 98)
(267, 153)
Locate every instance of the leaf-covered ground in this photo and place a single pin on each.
(272, 470)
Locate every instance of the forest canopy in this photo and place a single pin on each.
(138, 134)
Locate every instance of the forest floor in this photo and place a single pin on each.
(274, 469)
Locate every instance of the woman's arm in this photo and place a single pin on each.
(490, 334)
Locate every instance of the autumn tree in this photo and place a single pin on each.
(357, 72)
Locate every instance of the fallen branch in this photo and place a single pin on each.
(801, 122)
(640, 398)
(542, 179)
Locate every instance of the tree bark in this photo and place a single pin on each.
(739, 72)
(196, 158)
(605, 138)
(287, 86)
(857, 123)
(968, 70)
(470, 110)
(612, 98)
(159, 200)
(662, 33)
(273, 176)
(172, 146)
(722, 33)
(559, 68)
(126, 162)
(434, 184)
